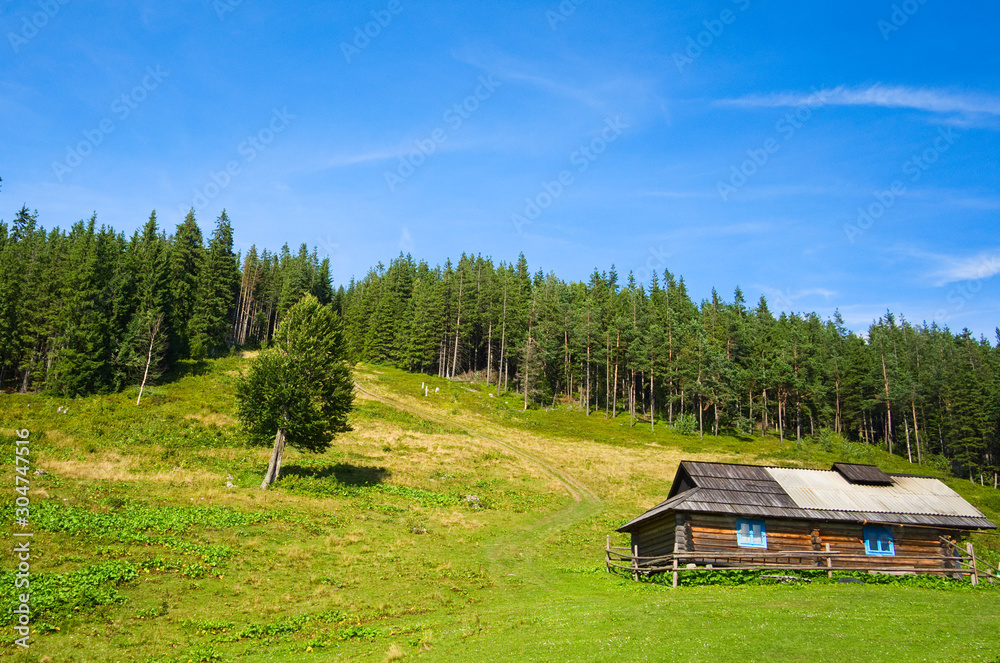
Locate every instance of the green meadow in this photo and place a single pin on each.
(451, 526)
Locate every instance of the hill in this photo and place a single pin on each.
(447, 526)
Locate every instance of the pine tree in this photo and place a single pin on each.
(185, 260)
(217, 289)
(143, 345)
(300, 390)
(82, 357)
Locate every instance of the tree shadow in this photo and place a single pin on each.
(349, 475)
(182, 369)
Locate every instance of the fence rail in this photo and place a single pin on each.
(953, 562)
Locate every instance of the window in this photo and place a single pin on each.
(878, 541)
(751, 533)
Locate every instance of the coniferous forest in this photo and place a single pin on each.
(89, 310)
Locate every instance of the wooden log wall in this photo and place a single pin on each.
(908, 543)
(717, 533)
(656, 539)
(919, 548)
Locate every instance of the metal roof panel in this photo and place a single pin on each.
(824, 489)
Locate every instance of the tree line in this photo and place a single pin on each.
(89, 310)
(653, 354)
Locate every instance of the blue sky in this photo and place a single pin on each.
(834, 155)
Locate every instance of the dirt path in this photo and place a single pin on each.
(514, 554)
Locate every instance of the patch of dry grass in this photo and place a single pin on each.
(394, 653)
(219, 419)
(112, 467)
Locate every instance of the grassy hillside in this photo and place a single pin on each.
(445, 527)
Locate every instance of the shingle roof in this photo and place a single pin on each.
(750, 490)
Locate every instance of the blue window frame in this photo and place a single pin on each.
(878, 541)
(751, 533)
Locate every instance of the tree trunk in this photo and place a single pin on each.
(888, 408)
(458, 325)
(837, 423)
(906, 427)
(701, 424)
(527, 365)
(763, 413)
(614, 388)
(652, 399)
(489, 353)
(274, 466)
(154, 331)
(631, 401)
(503, 340)
(607, 377)
(588, 364)
(798, 420)
(781, 418)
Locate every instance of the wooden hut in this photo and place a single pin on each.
(851, 517)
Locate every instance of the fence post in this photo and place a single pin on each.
(635, 563)
(829, 562)
(972, 563)
(675, 571)
(607, 555)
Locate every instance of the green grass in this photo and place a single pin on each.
(441, 528)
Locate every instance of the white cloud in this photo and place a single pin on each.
(341, 160)
(883, 96)
(981, 266)
(679, 194)
(953, 269)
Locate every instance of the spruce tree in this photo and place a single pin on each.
(218, 286)
(185, 260)
(299, 391)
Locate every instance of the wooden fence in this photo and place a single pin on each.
(953, 563)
